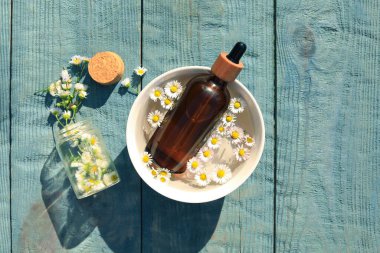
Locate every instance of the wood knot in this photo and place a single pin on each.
(305, 41)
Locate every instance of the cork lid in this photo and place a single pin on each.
(106, 68)
(228, 66)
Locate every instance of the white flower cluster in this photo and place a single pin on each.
(90, 166)
(202, 167)
(68, 94)
(161, 174)
(167, 97)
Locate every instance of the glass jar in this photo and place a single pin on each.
(86, 159)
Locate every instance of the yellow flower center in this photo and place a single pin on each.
(93, 141)
(87, 188)
(157, 93)
(155, 118)
(174, 89)
(203, 177)
(92, 181)
(167, 101)
(229, 118)
(214, 141)
(206, 153)
(235, 134)
(241, 152)
(221, 129)
(249, 140)
(220, 173)
(194, 165)
(145, 158)
(154, 173)
(237, 105)
(94, 169)
(140, 71)
(76, 60)
(163, 179)
(114, 178)
(163, 173)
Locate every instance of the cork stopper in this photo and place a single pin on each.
(106, 68)
(228, 67)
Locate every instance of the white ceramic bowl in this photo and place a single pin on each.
(251, 120)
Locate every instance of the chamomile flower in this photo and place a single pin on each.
(97, 185)
(236, 105)
(85, 59)
(154, 172)
(214, 141)
(86, 157)
(80, 87)
(65, 76)
(146, 159)
(241, 153)
(102, 163)
(53, 91)
(157, 93)
(194, 165)
(163, 179)
(76, 60)
(66, 115)
(64, 93)
(126, 83)
(228, 119)
(202, 178)
(80, 175)
(82, 94)
(66, 86)
(55, 111)
(167, 103)
(173, 89)
(92, 140)
(111, 178)
(249, 141)
(221, 129)
(205, 154)
(236, 134)
(164, 173)
(95, 171)
(140, 71)
(85, 137)
(155, 118)
(221, 174)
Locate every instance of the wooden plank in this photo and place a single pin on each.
(5, 48)
(178, 33)
(328, 126)
(46, 217)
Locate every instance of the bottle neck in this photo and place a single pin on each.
(218, 81)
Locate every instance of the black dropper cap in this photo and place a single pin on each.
(237, 52)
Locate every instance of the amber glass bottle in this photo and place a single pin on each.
(201, 105)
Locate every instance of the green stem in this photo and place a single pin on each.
(80, 76)
(59, 121)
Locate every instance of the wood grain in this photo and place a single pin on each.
(176, 34)
(45, 35)
(328, 126)
(5, 49)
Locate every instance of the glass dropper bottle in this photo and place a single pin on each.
(203, 102)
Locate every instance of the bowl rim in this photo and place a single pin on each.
(170, 192)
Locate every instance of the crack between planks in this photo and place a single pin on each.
(10, 126)
(140, 88)
(275, 124)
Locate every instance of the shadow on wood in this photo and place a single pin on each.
(171, 226)
(97, 94)
(113, 210)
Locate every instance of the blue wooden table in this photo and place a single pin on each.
(312, 65)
